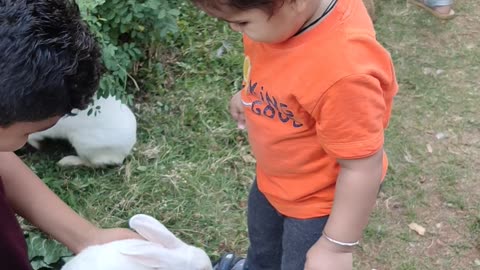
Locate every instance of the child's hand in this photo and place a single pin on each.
(327, 256)
(236, 110)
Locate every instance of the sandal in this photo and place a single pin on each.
(229, 262)
(431, 8)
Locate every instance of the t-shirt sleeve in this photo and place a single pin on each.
(350, 117)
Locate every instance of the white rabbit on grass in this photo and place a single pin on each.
(161, 251)
(103, 134)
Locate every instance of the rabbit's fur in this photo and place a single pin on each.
(161, 250)
(100, 139)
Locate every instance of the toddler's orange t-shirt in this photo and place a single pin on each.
(321, 96)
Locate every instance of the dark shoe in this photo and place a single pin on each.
(240, 265)
(230, 262)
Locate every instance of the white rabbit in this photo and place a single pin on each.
(102, 138)
(162, 251)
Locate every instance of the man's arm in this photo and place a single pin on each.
(356, 192)
(34, 201)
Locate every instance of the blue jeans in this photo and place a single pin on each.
(278, 242)
(439, 3)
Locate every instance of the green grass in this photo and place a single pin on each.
(190, 170)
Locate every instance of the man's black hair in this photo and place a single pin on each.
(50, 63)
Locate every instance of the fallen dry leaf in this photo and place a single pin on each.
(429, 148)
(423, 179)
(408, 157)
(440, 136)
(128, 171)
(417, 228)
(427, 71)
(470, 46)
(248, 158)
(151, 153)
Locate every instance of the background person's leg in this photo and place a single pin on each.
(439, 3)
(441, 9)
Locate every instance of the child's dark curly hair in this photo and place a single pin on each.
(50, 63)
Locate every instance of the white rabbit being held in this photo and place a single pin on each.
(162, 251)
(100, 139)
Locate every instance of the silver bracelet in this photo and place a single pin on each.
(343, 244)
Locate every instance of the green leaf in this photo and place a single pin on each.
(174, 12)
(44, 252)
(38, 264)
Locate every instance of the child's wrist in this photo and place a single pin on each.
(340, 243)
(335, 247)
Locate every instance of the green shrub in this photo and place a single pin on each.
(126, 30)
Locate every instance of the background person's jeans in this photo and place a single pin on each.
(278, 242)
(439, 3)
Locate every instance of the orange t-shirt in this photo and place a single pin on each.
(318, 97)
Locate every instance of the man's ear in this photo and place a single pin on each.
(154, 231)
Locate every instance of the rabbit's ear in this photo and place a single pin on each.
(152, 256)
(154, 231)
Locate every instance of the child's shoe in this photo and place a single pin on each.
(230, 262)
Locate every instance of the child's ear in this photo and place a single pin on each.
(154, 231)
(300, 5)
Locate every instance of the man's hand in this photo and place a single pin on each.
(237, 111)
(102, 236)
(328, 256)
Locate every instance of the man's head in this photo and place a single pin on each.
(49, 64)
(269, 21)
